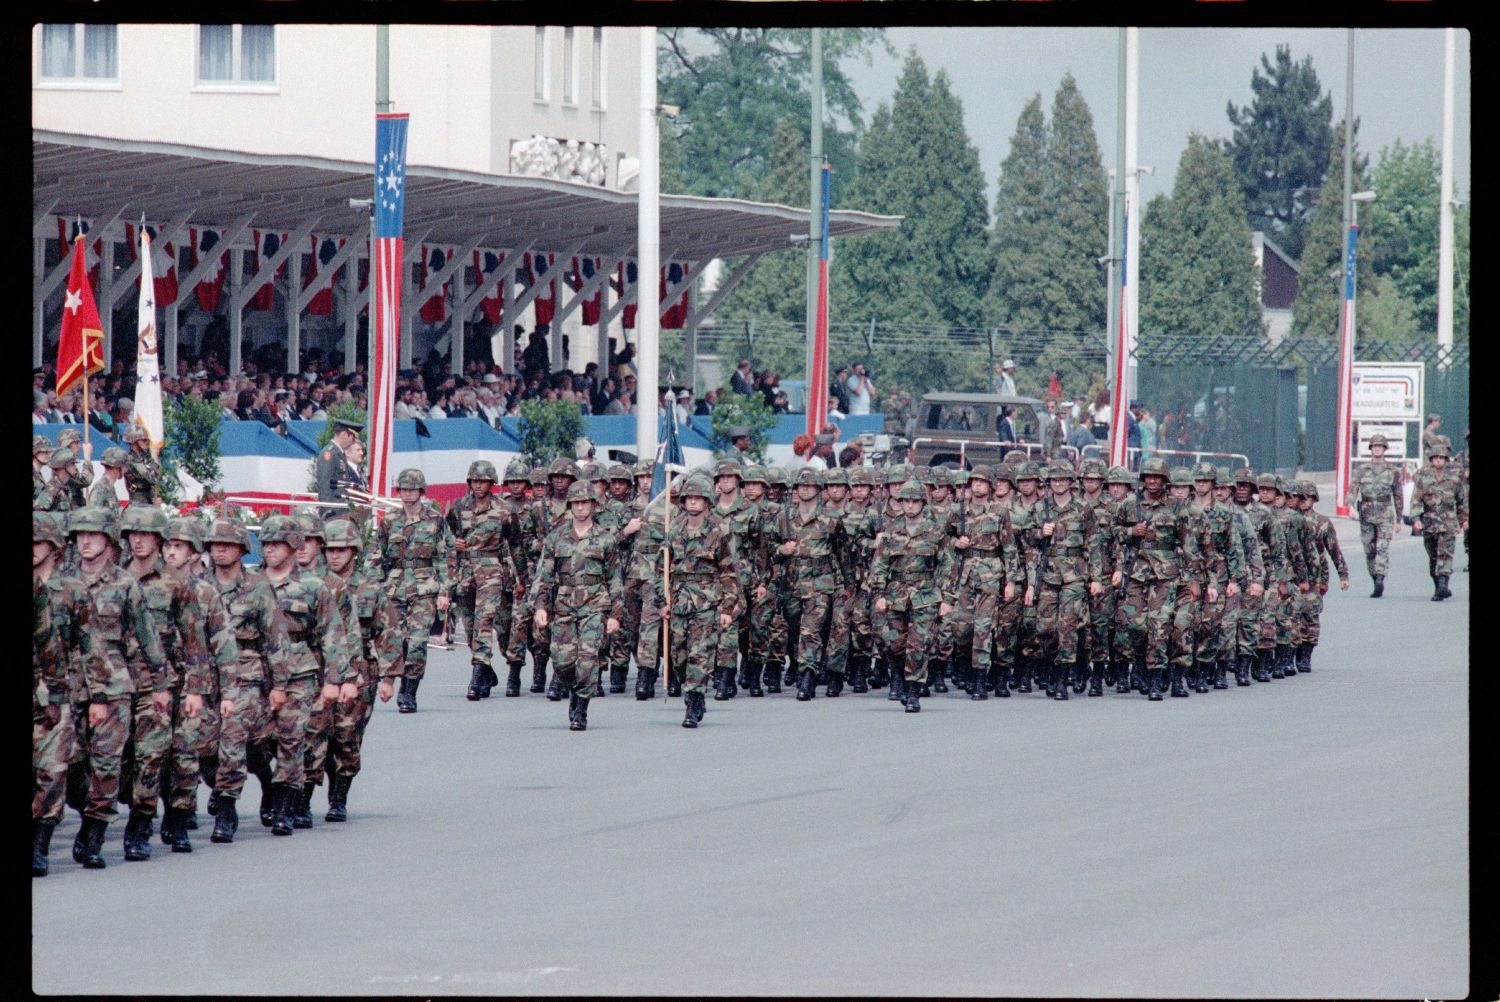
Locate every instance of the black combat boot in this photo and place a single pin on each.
(835, 684)
(284, 807)
(538, 676)
(936, 668)
(743, 680)
(1242, 669)
(1304, 657)
(897, 669)
(1221, 673)
(179, 831)
(792, 671)
(617, 676)
(138, 836)
(555, 690)
(879, 675)
(695, 707)
(213, 803)
(1379, 586)
(1023, 672)
(302, 816)
(911, 692)
(1155, 686)
(753, 673)
(721, 683)
(338, 798)
(1260, 664)
(1096, 679)
(513, 680)
(645, 682)
(267, 798)
(476, 684)
(859, 672)
(89, 845)
(1178, 688)
(772, 671)
(1442, 583)
(1060, 680)
(41, 844)
(490, 681)
(1277, 670)
(226, 821)
(1202, 676)
(406, 699)
(978, 685)
(674, 682)
(1002, 680)
(1283, 662)
(572, 709)
(805, 685)
(581, 715)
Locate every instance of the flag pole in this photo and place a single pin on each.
(666, 586)
(87, 400)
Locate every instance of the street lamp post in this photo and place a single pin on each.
(1346, 359)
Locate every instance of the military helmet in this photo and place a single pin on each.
(1155, 466)
(1244, 475)
(1378, 439)
(897, 474)
(1180, 476)
(517, 471)
(911, 491)
(92, 518)
(134, 433)
(579, 491)
(1224, 478)
(643, 468)
(482, 469)
(1120, 475)
(728, 468)
(754, 475)
(922, 475)
(1060, 471)
(1439, 448)
(863, 476)
(47, 527)
(1093, 467)
(808, 475)
(1014, 456)
(1006, 473)
(60, 459)
(411, 478)
(40, 444)
(562, 467)
(837, 475)
(227, 530)
(1310, 489)
(187, 529)
(144, 518)
(68, 436)
(593, 471)
(982, 472)
(1268, 480)
(281, 529)
(619, 471)
(340, 532)
(537, 477)
(697, 486)
(1029, 470)
(776, 476)
(311, 526)
(114, 456)
(1206, 471)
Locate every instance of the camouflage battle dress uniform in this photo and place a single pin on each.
(1376, 494)
(741, 520)
(544, 514)
(1067, 563)
(1224, 556)
(644, 577)
(861, 522)
(815, 570)
(1439, 508)
(989, 563)
(622, 642)
(142, 473)
(1325, 546)
(1299, 556)
(412, 553)
(485, 534)
(913, 574)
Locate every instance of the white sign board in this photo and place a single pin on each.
(1395, 439)
(1387, 391)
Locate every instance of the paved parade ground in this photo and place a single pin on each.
(1306, 837)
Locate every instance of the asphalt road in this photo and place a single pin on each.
(1304, 838)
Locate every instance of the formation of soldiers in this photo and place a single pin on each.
(161, 662)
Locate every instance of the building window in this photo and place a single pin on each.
(539, 65)
(237, 54)
(570, 69)
(80, 52)
(597, 79)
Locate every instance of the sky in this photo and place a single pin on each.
(1187, 78)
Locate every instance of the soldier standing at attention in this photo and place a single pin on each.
(1376, 492)
(911, 568)
(118, 616)
(102, 491)
(246, 704)
(379, 663)
(179, 623)
(333, 469)
(1063, 577)
(143, 473)
(577, 584)
(411, 554)
(1439, 508)
(1325, 545)
(705, 591)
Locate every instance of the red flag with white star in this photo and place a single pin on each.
(80, 346)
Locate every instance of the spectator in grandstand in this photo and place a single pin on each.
(861, 390)
(743, 380)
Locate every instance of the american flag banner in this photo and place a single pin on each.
(817, 379)
(390, 207)
(1341, 457)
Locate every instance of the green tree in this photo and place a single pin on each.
(1017, 295)
(192, 443)
(1076, 195)
(1197, 266)
(735, 85)
(916, 161)
(1320, 287)
(549, 429)
(1281, 147)
(734, 409)
(1387, 315)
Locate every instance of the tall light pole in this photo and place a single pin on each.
(1342, 454)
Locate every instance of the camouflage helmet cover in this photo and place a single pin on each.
(114, 457)
(1093, 467)
(187, 529)
(342, 533)
(227, 530)
(1120, 475)
(410, 479)
(60, 459)
(836, 476)
(1029, 470)
(68, 436)
(982, 472)
(697, 486)
(1270, 480)
(620, 472)
(579, 491)
(1060, 471)
(1244, 475)
(144, 518)
(1180, 476)
(776, 476)
(728, 468)
(40, 444)
(1206, 471)
(310, 524)
(517, 471)
(593, 471)
(281, 529)
(808, 475)
(93, 519)
(562, 467)
(47, 527)
(1378, 439)
(1155, 467)
(911, 491)
(482, 469)
(134, 433)
(754, 475)
(863, 476)
(1439, 448)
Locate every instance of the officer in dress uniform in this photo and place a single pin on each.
(334, 472)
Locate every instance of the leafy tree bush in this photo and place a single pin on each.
(548, 430)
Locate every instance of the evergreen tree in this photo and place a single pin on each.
(1280, 147)
(1077, 230)
(1320, 286)
(1018, 285)
(1197, 266)
(916, 160)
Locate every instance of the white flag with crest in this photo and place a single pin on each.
(147, 369)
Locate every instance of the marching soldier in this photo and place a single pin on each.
(577, 584)
(912, 563)
(811, 552)
(142, 473)
(628, 509)
(1100, 511)
(102, 491)
(705, 592)
(484, 528)
(1191, 604)
(41, 451)
(1299, 556)
(1068, 568)
(991, 572)
(1224, 553)
(741, 523)
(548, 511)
(57, 495)
(1325, 546)
(1439, 508)
(861, 522)
(1376, 492)
(412, 555)
(335, 474)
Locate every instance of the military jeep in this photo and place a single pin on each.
(954, 425)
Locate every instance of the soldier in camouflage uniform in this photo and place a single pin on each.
(862, 520)
(702, 598)
(1325, 546)
(1100, 510)
(1439, 508)
(838, 631)
(310, 562)
(514, 569)
(1027, 528)
(83, 472)
(1191, 605)
(784, 622)
(58, 493)
(811, 555)
(379, 663)
(628, 509)
(156, 732)
(1376, 493)
(912, 575)
(1461, 461)
(119, 622)
(644, 576)
(577, 584)
(259, 684)
(143, 473)
(101, 493)
(1121, 549)
(195, 740)
(1250, 584)
(989, 564)
(1224, 553)
(1299, 557)
(412, 554)
(741, 522)
(547, 511)
(1168, 548)
(1065, 569)
(41, 451)
(60, 647)
(486, 533)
